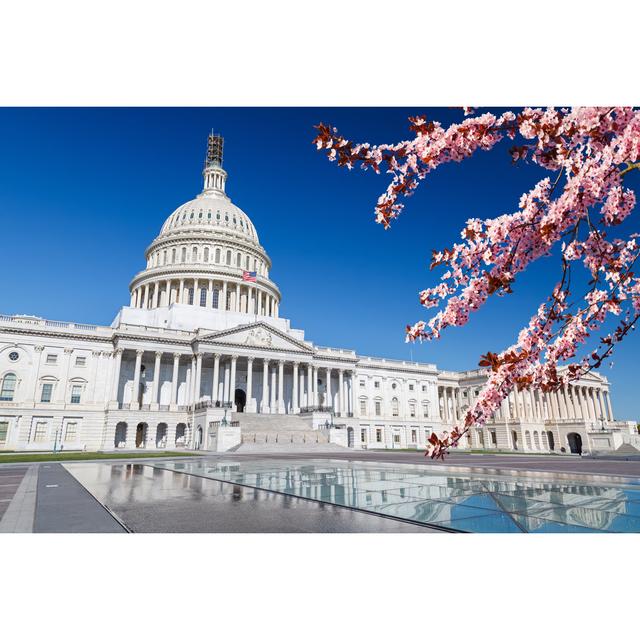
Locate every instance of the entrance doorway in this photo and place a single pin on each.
(350, 437)
(141, 435)
(575, 442)
(120, 439)
(198, 442)
(514, 438)
(240, 400)
(552, 443)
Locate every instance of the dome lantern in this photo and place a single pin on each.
(215, 176)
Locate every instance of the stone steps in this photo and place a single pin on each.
(288, 448)
(284, 437)
(252, 422)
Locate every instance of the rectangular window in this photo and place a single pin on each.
(363, 407)
(410, 387)
(412, 410)
(47, 389)
(425, 410)
(424, 387)
(215, 298)
(396, 438)
(4, 429)
(52, 358)
(203, 297)
(414, 435)
(363, 435)
(378, 435)
(190, 296)
(72, 431)
(378, 408)
(376, 384)
(76, 389)
(81, 361)
(41, 432)
(362, 384)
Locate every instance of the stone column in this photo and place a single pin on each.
(156, 294)
(174, 379)
(156, 381)
(294, 400)
(609, 407)
(273, 401)
(237, 304)
(264, 408)
(352, 382)
(250, 407)
(341, 391)
(117, 354)
(232, 390)
(316, 395)
(309, 383)
(198, 381)
(196, 293)
(601, 405)
(223, 305)
(281, 407)
(592, 403)
(192, 381)
(135, 392)
(327, 393)
(301, 389)
(216, 379)
(181, 291)
(226, 382)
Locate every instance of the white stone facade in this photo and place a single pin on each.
(203, 334)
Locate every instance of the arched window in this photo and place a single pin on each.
(173, 256)
(229, 257)
(395, 408)
(246, 263)
(218, 255)
(190, 296)
(8, 388)
(184, 254)
(194, 254)
(215, 298)
(206, 254)
(238, 260)
(203, 297)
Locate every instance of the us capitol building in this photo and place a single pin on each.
(201, 359)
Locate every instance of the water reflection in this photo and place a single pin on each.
(463, 501)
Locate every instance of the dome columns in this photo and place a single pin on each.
(208, 293)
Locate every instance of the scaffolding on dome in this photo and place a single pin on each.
(215, 147)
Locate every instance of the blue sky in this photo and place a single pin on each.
(84, 191)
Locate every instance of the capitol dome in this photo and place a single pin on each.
(208, 254)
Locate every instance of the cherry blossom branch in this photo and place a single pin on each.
(592, 149)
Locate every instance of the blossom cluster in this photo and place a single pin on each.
(588, 152)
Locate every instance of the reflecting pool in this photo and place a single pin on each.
(451, 498)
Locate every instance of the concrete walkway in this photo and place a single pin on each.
(63, 505)
(19, 513)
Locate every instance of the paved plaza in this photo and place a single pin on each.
(351, 492)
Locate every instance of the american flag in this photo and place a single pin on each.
(249, 276)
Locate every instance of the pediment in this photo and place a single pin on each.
(258, 336)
